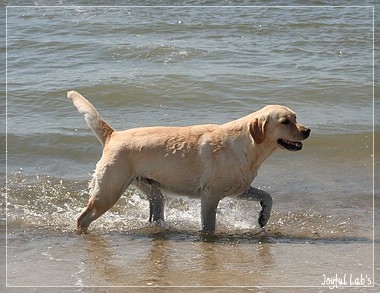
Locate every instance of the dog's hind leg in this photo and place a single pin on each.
(156, 200)
(265, 200)
(108, 184)
(156, 204)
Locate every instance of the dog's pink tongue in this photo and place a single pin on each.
(295, 143)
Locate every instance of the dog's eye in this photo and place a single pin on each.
(286, 121)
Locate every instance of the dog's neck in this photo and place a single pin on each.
(262, 151)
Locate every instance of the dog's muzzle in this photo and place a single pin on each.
(294, 145)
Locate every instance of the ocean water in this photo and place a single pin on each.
(145, 66)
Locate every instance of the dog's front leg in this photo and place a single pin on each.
(209, 205)
(265, 201)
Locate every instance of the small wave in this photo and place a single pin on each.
(156, 53)
(45, 202)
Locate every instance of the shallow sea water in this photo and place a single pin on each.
(143, 66)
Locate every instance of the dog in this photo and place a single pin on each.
(207, 161)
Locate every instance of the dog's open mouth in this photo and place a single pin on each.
(290, 145)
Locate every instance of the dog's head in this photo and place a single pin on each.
(278, 126)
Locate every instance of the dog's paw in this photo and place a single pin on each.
(159, 223)
(263, 218)
(80, 231)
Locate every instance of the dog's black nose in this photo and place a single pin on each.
(306, 132)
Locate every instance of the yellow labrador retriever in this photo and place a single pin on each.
(205, 161)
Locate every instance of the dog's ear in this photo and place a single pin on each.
(256, 128)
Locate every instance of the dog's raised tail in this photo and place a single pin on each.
(101, 129)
